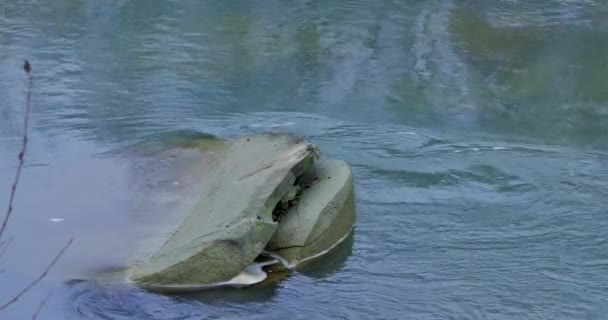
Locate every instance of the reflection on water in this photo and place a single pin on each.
(130, 69)
(477, 132)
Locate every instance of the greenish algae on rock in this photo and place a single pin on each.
(323, 215)
(232, 222)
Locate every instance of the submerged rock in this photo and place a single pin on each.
(233, 220)
(260, 193)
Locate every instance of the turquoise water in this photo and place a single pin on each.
(477, 132)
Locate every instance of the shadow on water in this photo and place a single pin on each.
(330, 263)
(260, 293)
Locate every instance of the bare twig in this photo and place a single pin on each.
(4, 246)
(44, 274)
(42, 303)
(28, 72)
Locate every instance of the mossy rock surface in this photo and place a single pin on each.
(232, 223)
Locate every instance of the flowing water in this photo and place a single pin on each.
(477, 132)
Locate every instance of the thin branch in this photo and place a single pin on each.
(44, 274)
(4, 246)
(28, 72)
(42, 303)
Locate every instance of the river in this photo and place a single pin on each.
(477, 132)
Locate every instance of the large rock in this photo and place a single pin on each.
(245, 179)
(322, 216)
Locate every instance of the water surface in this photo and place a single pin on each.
(477, 132)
